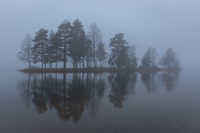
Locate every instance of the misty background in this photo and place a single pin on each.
(145, 23)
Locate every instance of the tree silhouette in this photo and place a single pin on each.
(101, 53)
(25, 53)
(39, 49)
(77, 43)
(119, 49)
(64, 34)
(170, 59)
(169, 79)
(120, 84)
(88, 52)
(95, 36)
(149, 81)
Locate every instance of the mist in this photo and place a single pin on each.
(159, 24)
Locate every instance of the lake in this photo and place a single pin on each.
(163, 102)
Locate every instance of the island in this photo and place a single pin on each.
(71, 46)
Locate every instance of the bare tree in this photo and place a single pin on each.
(25, 53)
(95, 36)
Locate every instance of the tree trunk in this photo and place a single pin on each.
(83, 63)
(64, 65)
(29, 64)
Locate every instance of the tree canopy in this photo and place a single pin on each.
(119, 49)
(39, 49)
(170, 59)
(149, 58)
(71, 44)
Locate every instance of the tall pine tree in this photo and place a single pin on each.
(64, 34)
(77, 43)
(39, 50)
(119, 50)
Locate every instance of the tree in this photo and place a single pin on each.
(77, 43)
(64, 34)
(50, 49)
(88, 52)
(101, 53)
(95, 36)
(154, 55)
(119, 50)
(132, 57)
(170, 58)
(58, 50)
(25, 54)
(39, 49)
(149, 58)
(54, 48)
(146, 60)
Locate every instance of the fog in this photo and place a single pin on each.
(145, 23)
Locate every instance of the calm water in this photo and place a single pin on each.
(100, 103)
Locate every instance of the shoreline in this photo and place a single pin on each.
(94, 70)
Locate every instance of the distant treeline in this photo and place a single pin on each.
(70, 43)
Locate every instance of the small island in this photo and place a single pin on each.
(86, 53)
(94, 70)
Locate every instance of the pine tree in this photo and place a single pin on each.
(146, 60)
(77, 43)
(54, 48)
(119, 50)
(64, 34)
(88, 52)
(170, 58)
(39, 49)
(101, 53)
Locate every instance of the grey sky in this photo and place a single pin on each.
(145, 23)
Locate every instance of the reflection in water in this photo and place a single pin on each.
(71, 94)
(97, 87)
(24, 87)
(149, 81)
(72, 98)
(68, 95)
(169, 79)
(121, 84)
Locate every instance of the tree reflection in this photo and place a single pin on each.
(121, 84)
(97, 87)
(69, 96)
(169, 79)
(149, 81)
(40, 97)
(24, 87)
(72, 104)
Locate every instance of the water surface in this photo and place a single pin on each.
(96, 103)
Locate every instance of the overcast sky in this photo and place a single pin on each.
(145, 23)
